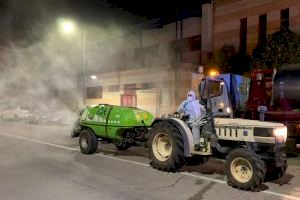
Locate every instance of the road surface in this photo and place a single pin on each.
(43, 162)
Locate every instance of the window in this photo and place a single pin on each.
(114, 88)
(262, 29)
(284, 19)
(243, 36)
(130, 88)
(145, 86)
(194, 43)
(128, 100)
(94, 92)
(214, 88)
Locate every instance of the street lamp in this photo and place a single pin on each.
(68, 26)
(94, 77)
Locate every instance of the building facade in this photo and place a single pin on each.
(153, 69)
(149, 69)
(246, 23)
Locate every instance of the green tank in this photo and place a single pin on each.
(124, 126)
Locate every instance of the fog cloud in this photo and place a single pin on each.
(40, 67)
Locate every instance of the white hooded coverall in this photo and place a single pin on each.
(196, 111)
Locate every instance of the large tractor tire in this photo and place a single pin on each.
(165, 147)
(88, 141)
(245, 169)
(280, 171)
(274, 173)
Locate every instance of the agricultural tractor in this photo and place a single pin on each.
(269, 95)
(253, 150)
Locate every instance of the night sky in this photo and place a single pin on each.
(24, 21)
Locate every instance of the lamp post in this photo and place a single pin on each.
(68, 27)
(84, 69)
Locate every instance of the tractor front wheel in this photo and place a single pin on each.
(273, 172)
(245, 169)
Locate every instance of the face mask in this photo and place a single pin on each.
(190, 98)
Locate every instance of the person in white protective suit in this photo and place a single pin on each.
(195, 112)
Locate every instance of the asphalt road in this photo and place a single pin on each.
(43, 162)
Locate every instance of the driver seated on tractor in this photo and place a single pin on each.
(195, 112)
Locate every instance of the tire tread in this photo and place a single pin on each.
(177, 158)
(258, 165)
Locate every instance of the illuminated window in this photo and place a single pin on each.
(128, 100)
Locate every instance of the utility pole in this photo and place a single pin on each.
(84, 68)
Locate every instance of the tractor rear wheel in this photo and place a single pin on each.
(165, 147)
(88, 141)
(245, 170)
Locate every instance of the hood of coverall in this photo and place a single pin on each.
(191, 96)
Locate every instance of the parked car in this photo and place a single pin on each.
(15, 114)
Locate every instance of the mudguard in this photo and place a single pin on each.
(185, 132)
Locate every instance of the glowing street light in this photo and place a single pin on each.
(94, 77)
(68, 27)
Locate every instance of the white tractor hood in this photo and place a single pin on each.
(245, 123)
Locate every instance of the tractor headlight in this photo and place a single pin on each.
(228, 110)
(280, 134)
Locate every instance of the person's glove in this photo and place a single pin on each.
(177, 115)
(185, 117)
